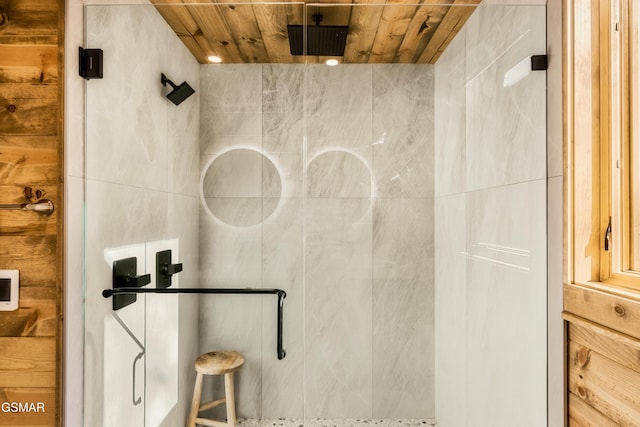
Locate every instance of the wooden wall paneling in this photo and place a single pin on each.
(31, 158)
(44, 301)
(27, 362)
(27, 109)
(583, 415)
(34, 256)
(616, 312)
(618, 347)
(29, 17)
(23, 165)
(607, 386)
(28, 62)
(46, 396)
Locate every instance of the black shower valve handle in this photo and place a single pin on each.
(169, 270)
(165, 268)
(138, 281)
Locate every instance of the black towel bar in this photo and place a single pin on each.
(107, 293)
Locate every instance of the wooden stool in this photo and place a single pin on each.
(215, 363)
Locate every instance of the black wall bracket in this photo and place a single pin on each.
(539, 63)
(90, 63)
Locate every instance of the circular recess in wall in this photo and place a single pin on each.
(240, 187)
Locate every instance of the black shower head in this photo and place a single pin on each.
(179, 92)
(325, 40)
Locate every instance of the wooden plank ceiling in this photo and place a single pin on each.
(380, 31)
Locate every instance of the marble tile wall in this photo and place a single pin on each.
(344, 224)
(490, 217)
(141, 183)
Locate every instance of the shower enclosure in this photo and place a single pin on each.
(401, 207)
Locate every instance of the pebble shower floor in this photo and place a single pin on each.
(336, 423)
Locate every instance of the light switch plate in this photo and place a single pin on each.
(9, 289)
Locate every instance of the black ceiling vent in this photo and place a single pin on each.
(326, 40)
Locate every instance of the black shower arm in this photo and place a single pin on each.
(107, 293)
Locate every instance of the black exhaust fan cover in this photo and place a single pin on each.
(325, 40)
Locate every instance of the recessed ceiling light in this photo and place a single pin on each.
(331, 62)
(214, 59)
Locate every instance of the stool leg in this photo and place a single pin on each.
(195, 403)
(231, 400)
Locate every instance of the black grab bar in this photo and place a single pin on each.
(107, 293)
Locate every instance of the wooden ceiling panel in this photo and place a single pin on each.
(380, 31)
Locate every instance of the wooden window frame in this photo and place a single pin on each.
(598, 132)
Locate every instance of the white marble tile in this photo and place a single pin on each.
(283, 89)
(506, 128)
(162, 318)
(102, 335)
(338, 173)
(282, 268)
(338, 106)
(217, 127)
(126, 111)
(231, 88)
(116, 216)
(235, 173)
(450, 122)
(124, 392)
(221, 246)
(507, 306)
(338, 308)
(283, 122)
(234, 322)
(285, 177)
(323, 422)
(495, 31)
(403, 131)
(230, 106)
(183, 123)
(403, 332)
(450, 310)
(183, 221)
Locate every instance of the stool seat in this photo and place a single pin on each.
(222, 362)
(219, 362)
